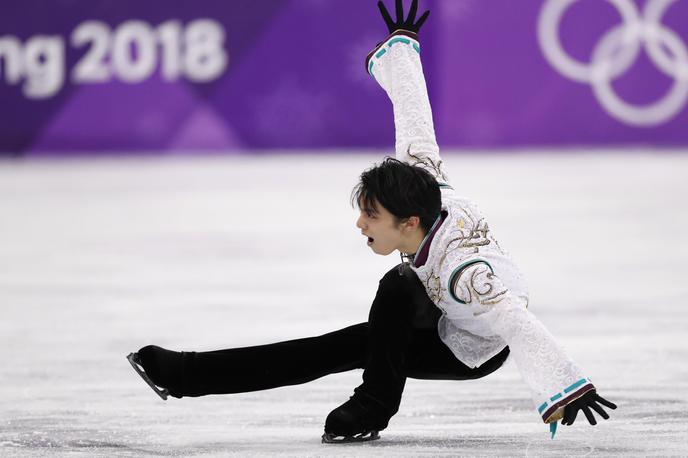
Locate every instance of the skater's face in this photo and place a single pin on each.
(386, 233)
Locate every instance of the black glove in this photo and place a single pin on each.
(585, 403)
(401, 24)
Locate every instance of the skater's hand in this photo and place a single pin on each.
(586, 402)
(401, 23)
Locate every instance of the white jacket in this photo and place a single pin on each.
(470, 278)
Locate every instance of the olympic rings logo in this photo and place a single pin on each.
(616, 52)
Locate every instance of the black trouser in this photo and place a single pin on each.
(399, 340)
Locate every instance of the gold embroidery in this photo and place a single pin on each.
(433, 285)
(471, 239)
(436, 167)
(481, 282)
(476, 237)
(494, 299)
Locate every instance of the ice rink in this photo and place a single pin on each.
(101, 257)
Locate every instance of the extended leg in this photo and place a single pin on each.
(240, 370)
(285, 363)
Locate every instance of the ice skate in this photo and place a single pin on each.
(136, 364)
(360, 419)
(330, 438)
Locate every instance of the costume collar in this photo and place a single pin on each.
(421, 255)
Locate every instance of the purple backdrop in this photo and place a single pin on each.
(97, 76)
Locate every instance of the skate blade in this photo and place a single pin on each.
(362, 437)
(133, 359)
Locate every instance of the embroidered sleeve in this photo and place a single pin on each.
(553, 378)
(395, 64)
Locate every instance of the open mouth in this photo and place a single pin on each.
(370, 241)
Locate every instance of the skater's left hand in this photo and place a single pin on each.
(409, 23)
(586, 402)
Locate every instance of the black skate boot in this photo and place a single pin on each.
(360, 419)
(161, 369)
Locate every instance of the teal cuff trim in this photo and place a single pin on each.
(445, 185)
(553, 428)
(398, 40)
(567, 390)
(575, 385)
(382, 51)
(463, 266)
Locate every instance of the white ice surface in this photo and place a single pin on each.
(101, 257)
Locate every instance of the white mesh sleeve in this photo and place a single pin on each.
(553, 378)
(396, 66)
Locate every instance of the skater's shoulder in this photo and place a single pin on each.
(456, 200)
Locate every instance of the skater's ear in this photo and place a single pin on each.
(411, 223)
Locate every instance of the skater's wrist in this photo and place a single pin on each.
(398, 36)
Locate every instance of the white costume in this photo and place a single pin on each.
(469, 277)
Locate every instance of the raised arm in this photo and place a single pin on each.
(395, 64)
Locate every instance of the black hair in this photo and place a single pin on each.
(403, 189)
